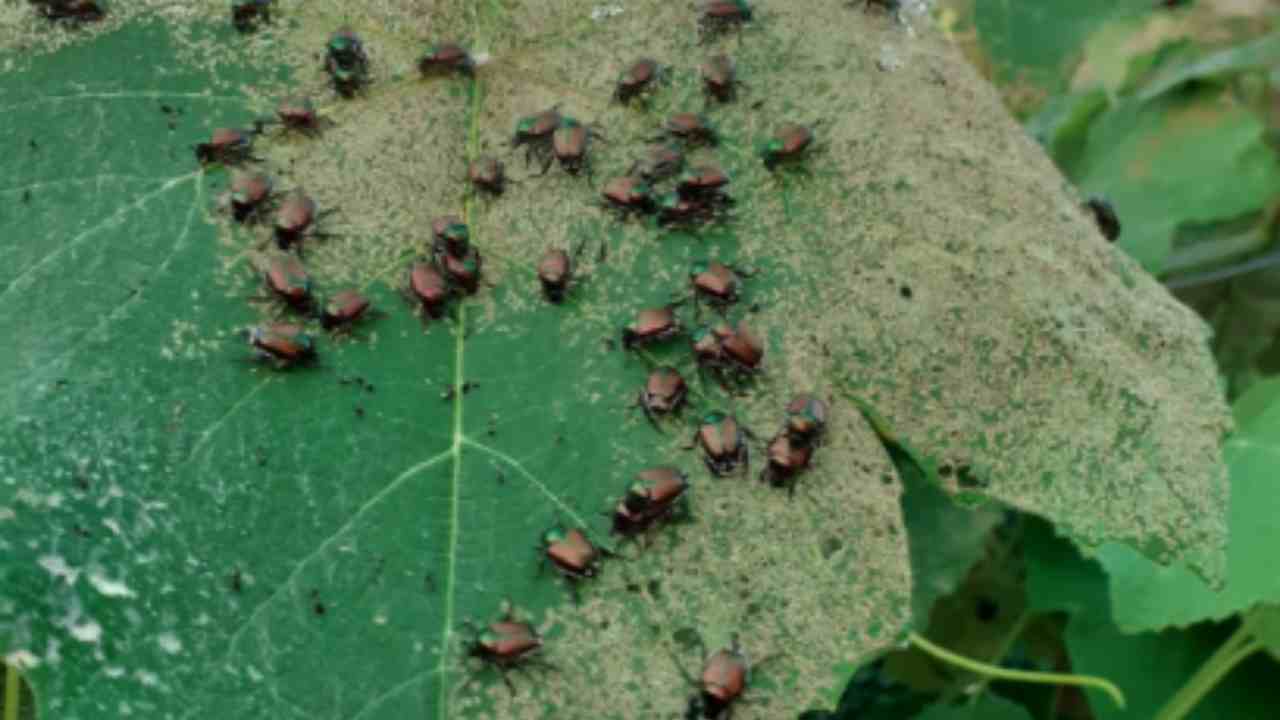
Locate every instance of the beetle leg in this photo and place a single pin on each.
(506, 680)
(648, 412)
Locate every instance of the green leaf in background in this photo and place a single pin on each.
(1193, 157)
(1147, 596)
(1259, 55)
(1264, 624)
(1062, 125)
(1150, 667)
(188, 534)
(987, 707)
(1039, 44)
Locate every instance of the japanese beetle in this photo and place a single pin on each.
(346, 61)
(487, 174)
(703, 181)
(344, 309)
(719, 15)
(636, 79)
(664, 392)
(536, 130)
(428, 288)
(1104, 214)
(249, 194)
(228, 146)
(806, 419)
(289, 281)
(676, 210)
(706, 347)
(652, 325)
(659, 163)
(295, 113)
(724, 444)
(787, 459)
(690, 127)
(446, 57)
(246, 14)
(787, 144)
(725, 675)
(715, 282)
(572, 555)
(285, 345)
(295, 220)
(652, 497)
(505, 644)
(556, 272)
(450, 235)
(464, 271)
(627, 194)
(569, 146)
(78, 11)
(742, 349)
(719, 78)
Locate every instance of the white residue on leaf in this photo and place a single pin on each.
(7, 513)
(254, 674)
(112, 525)
(107, 586)
(147, 678)
(57, 566)
(113, 671)
(88, 631)
(380, 618)
(169, 643)
(889, 59)
(21, 659)
(604, 12)
(481, 58)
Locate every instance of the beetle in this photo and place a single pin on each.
(572, 555)
(725, 676)
(294, 113)
(346, 61)
(450, 235)
(1104, 214)
(535, 131)
(295, 220)
(707, 350)
(249, 194)
(556, 272)
(724, 444)
(627, 194)
(78, 11)
(283, 344)
(636, 79)
(676, 210)
(487, 174)
(344, 309)
(690, 127)
(806, 419)
(787, 459)
(719, 78)
(569, 146)
(427, 288)
(464, 271)
(715, 282)
(718, 16)
(742, 349)
(651, 497)
(788, 143)
(659, 163)
(505, 643)
(446, 57)
(652, 325)
(704, 181)
(664, 392)
(228, 146)
(288, 280)
(246, 14)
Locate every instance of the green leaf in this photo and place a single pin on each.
(1190, 158)
(1264, 624)
(1062, 125)
(987, 707)
(190, 533)
(1058, 577)
(1147, 596)
(1257, 55)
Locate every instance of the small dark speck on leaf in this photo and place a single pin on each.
(429, 583)
(752, 609)
(235, 581)
(166, 109)
(688, 637)
(317, 607)
(33, 144)
(26, 197)
(945, 470)
(655, 587)
(502, 478)
(830, 547)
(359, 411)
(966, 479)
(609, 344)
(987, 609)
(469, 386)
(755, 308)
(81, 530)
(260, 455)
(633, 587)
(886, 479)
(172, 125)
(905, 291)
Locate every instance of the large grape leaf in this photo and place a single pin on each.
(187, 535)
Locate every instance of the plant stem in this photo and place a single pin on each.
(1239, 646)
(1041, 678)
(12, 692)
